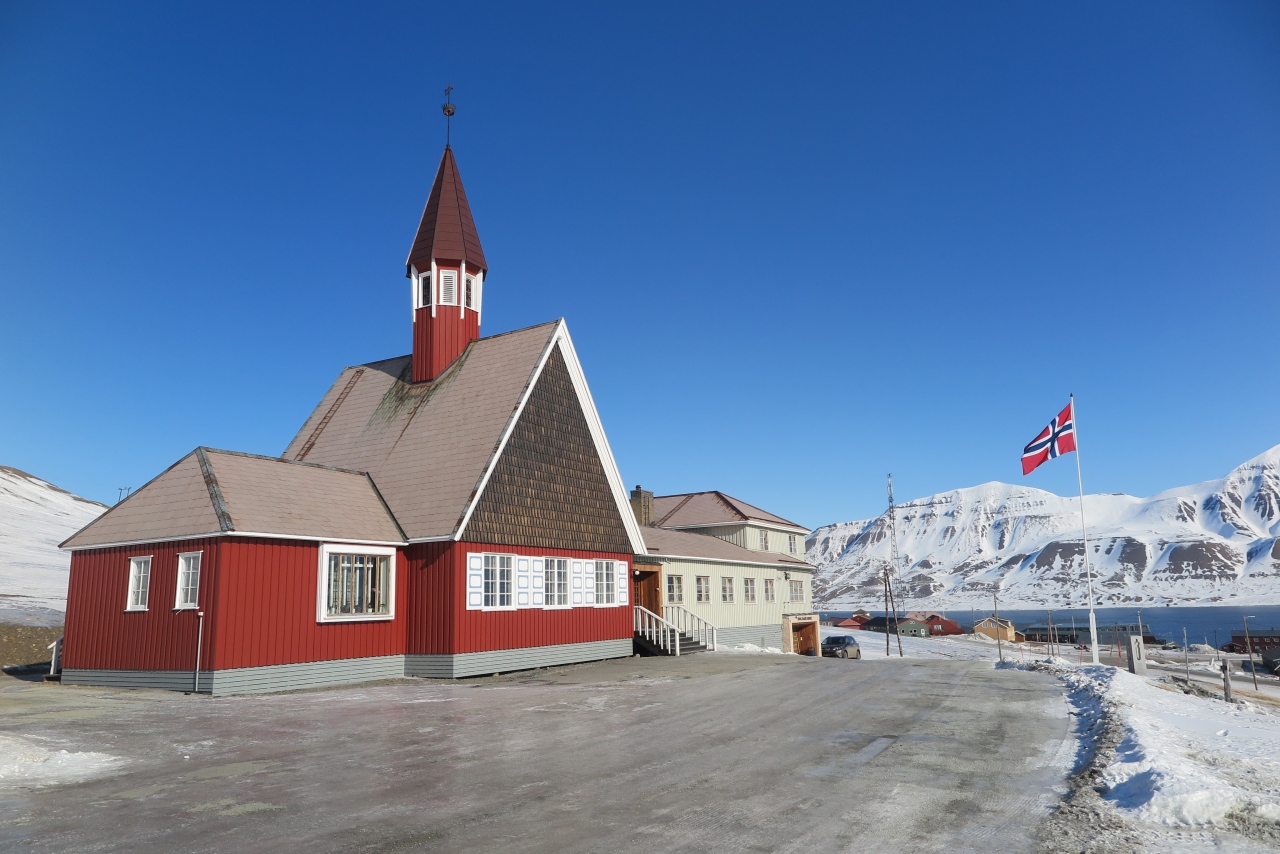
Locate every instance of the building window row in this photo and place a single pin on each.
(498, 582)
(448, 290)
(751, 594)
(188, 584)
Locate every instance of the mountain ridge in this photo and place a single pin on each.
(1213, 542)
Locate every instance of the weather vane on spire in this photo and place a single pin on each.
(448, 112)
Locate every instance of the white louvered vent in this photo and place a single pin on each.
(448, 287)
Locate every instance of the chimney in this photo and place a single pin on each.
(642, 505)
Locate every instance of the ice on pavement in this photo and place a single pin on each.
(26, 763)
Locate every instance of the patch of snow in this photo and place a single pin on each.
(25, 763)
(750, 647)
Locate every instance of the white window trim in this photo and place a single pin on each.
(729, 589)
(755, 592)
(620, 570)
(128, 594)
(322, 583)
(177, 594)
(568, 605)
(668, 591)
(440, 287)
(514, 570)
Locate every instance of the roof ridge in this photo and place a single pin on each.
(687, 498)
(228, 453)
(724, 499)
(216, 497)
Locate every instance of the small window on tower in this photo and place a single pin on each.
(426, 290)
(448, 287)
(471, 283)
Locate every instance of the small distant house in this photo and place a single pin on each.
(997, 629)
(938, 625)
(857, 621)
(914, 629)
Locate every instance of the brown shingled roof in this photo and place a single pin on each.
(210, 492)
(710, 508)
(447, 231)
(662, 541)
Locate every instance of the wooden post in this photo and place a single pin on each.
(1248, 645)
(1186, 653)
(886, 613)
(999, 646)
(1226, 681)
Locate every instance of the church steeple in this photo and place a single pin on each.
(447, 269)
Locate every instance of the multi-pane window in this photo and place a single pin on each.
(606, 590)
(791, 543)
(448, 287)
(768, 591)
(139, 583)
(467, 293)
(749, 591)
(797, 591)
(188, 580)
(764, 541)
(497, 581)
(426, 289)
(726, 590)
(703, 588)
(556, 585)
(359, 585)
(675, 590)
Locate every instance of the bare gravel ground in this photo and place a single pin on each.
(706, 753)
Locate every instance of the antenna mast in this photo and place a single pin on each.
(888, 583)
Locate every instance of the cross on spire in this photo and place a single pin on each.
(448, 112)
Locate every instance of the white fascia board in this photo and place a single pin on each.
(774, 526)
(787, 567)
(561, 337)
(253, 534)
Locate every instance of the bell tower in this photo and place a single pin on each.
(446, 270)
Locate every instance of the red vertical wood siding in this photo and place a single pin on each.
(265, 609)
(101, 635)
(441, 623)
(438, 340)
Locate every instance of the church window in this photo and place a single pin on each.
(469, 292)
(139, 583)
(357, 585)
(605, 582)
(188, 580)
(448, 287)
(557, 582)
(497, 580)
(425, 290)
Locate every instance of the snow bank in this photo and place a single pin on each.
(749, 647)
(1183, 761)
(25, 763)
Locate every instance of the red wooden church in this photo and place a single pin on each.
(452, 512)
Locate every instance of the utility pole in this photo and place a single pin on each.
(999, 646)
(1186, 660)
(1248, 645)
(893, 551)
(886, 612)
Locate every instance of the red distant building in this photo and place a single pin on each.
(854, 622)
(452, 512)
(938, 624)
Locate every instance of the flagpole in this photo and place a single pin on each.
(1084, 534)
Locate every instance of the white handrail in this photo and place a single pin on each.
(691, 624)
(656, 630)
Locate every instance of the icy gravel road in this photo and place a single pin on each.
(706, 753)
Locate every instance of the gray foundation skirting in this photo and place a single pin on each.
(502, 660)
(769, 634)
(351, 671)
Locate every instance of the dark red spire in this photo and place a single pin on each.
(447, 231)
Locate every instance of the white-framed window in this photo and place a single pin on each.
(702, 584)
(791, 543)
(675, 589)
(498, 570)
(556, 583)
(448, 287)
(769, 595)
(188, 581)
(749, 591)
(797, 591)
(606, 583)
(424, 290)
(468, 293)
(139, 583)
(356, 583)
(764, 541)
(726, 590)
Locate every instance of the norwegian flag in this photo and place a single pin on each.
(1056, 439)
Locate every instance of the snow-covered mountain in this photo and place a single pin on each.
(1203, 544)
(34, 517)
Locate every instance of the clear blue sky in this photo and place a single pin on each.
(798, 245)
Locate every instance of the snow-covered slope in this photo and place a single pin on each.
(34, 517)
(1212, 542)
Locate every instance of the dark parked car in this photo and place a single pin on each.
(840, 646)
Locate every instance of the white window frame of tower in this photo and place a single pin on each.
(791, 543)
(188, 592)
(324, 583)
(726, 590)
(495, 599)
(764, 540)
(554, 570)
(795, 590)
(770, 592)
(748, 591)
(139, 583)
(424, 290)
(675, 589)
(702, 589)
(448, 278)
